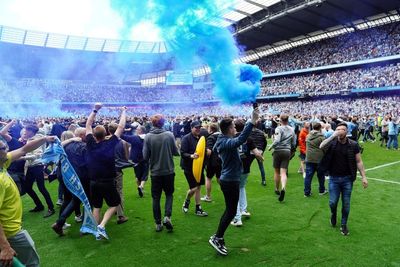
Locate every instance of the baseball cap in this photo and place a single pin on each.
(194, 124)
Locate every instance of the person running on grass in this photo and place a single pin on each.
(284, 142)
(341, 160)
(141, 166)
(227, 147)
(101, 167)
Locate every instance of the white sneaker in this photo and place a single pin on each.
(78, 219)
(66, 225)
(206, 199)
(236, 223)
(246, 213)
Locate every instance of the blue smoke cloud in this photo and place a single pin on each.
(193, 41)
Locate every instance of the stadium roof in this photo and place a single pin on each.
(257, 24)
(240, 10)
(55, 40)
(291, 19)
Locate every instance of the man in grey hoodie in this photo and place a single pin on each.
(159, 148)
(313, 157)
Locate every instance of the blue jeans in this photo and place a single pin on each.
(340, 186)
(311, 168)
(392, 140)
(262, 171)
(242, 203)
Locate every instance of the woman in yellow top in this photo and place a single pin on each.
(14, 241)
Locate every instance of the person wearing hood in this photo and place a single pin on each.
(312, 158)
(141, 166)
(227, 148)
(159, 148)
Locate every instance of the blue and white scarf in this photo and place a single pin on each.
(55, 153)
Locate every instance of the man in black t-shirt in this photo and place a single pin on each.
(101, 167)
(341, 160)
(213, 165)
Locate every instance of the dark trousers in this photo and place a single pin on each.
(158, 184)
(311, 168)
(19, 179)
(70, 204)
(368, 135)
(231, 196)
(33, 174)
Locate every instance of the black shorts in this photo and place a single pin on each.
(192, 181)
(104, 190)
(213, 170)
(281, 159)
(142, 170)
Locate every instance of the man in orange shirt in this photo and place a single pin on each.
(302, 145)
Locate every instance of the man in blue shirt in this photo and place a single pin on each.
(227, 149)
(101, 167)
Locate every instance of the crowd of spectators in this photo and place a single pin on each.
(333, 82)
(37, 90)
(359, 45)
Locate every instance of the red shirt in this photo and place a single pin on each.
(302, 140)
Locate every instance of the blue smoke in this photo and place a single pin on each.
(194, 42)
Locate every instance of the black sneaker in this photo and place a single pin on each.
(333, 220)
(185, 206)
(218, 244)
(49, 213)
(36, 209)
(140, 191)
(282, 195)
(344, 230)
(277, 192)
(264, 183)
(201, 213)
(168, 224)
(58, 229)
(159, 227)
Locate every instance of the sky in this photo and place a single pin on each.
(88, 18)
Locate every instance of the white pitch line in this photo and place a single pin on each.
(382, 166)
(384, 181)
